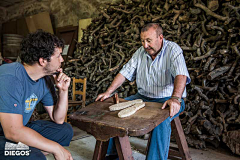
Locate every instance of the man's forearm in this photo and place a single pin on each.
(179, 85)
(33, 139)
(60, 109)
(117, 82)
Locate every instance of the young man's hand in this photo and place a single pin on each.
(62, 81)
(62, 154)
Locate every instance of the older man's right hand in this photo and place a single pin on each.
(102, 96)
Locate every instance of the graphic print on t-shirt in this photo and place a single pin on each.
(30, 103)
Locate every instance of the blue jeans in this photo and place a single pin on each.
(160, 140)
(60, 133)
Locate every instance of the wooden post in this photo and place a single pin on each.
(115, 98)
(180, 139)
(123, 148)
(100, 150)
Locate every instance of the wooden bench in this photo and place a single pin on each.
(97, 120)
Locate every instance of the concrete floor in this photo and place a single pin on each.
(82, 148)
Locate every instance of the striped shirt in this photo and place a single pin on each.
(155, 78)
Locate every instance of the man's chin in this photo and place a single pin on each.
(150, 52)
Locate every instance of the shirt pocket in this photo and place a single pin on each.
(163, 78)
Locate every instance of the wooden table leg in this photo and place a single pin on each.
(123, 148)
(180, 139)
(149, 141)
(182, 151)
(100, 150)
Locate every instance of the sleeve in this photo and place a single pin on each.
(11, 95)
(130, 68)
(178, 64)
(47, 100)
(50, 98)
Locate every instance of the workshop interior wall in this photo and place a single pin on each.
(63, 12)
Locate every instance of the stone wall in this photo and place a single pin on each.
(68, 12)
(63, 12)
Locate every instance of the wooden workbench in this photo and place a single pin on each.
(103, 124)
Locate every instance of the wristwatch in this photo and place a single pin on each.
(177, 98)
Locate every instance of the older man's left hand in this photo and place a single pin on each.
(174, 106)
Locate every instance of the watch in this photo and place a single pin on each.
(177, 98)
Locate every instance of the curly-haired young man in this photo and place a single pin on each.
(25, 85)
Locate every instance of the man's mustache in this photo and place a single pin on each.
(148, 48)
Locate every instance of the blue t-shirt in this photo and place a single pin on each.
(19, 94)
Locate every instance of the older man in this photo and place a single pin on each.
(161, 76)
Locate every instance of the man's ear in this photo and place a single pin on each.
(42, 61)
(161, 36)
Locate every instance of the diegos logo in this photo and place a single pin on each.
(19, 149)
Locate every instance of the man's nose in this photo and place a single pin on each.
(62, 60)
(145, 45)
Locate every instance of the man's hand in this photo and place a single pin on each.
(62, 81)
(62, 154)
(102, 96)
(118, 81)
(174, 106)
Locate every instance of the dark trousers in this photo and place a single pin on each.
(60, 133)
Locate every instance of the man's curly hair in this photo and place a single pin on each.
(39, 44)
